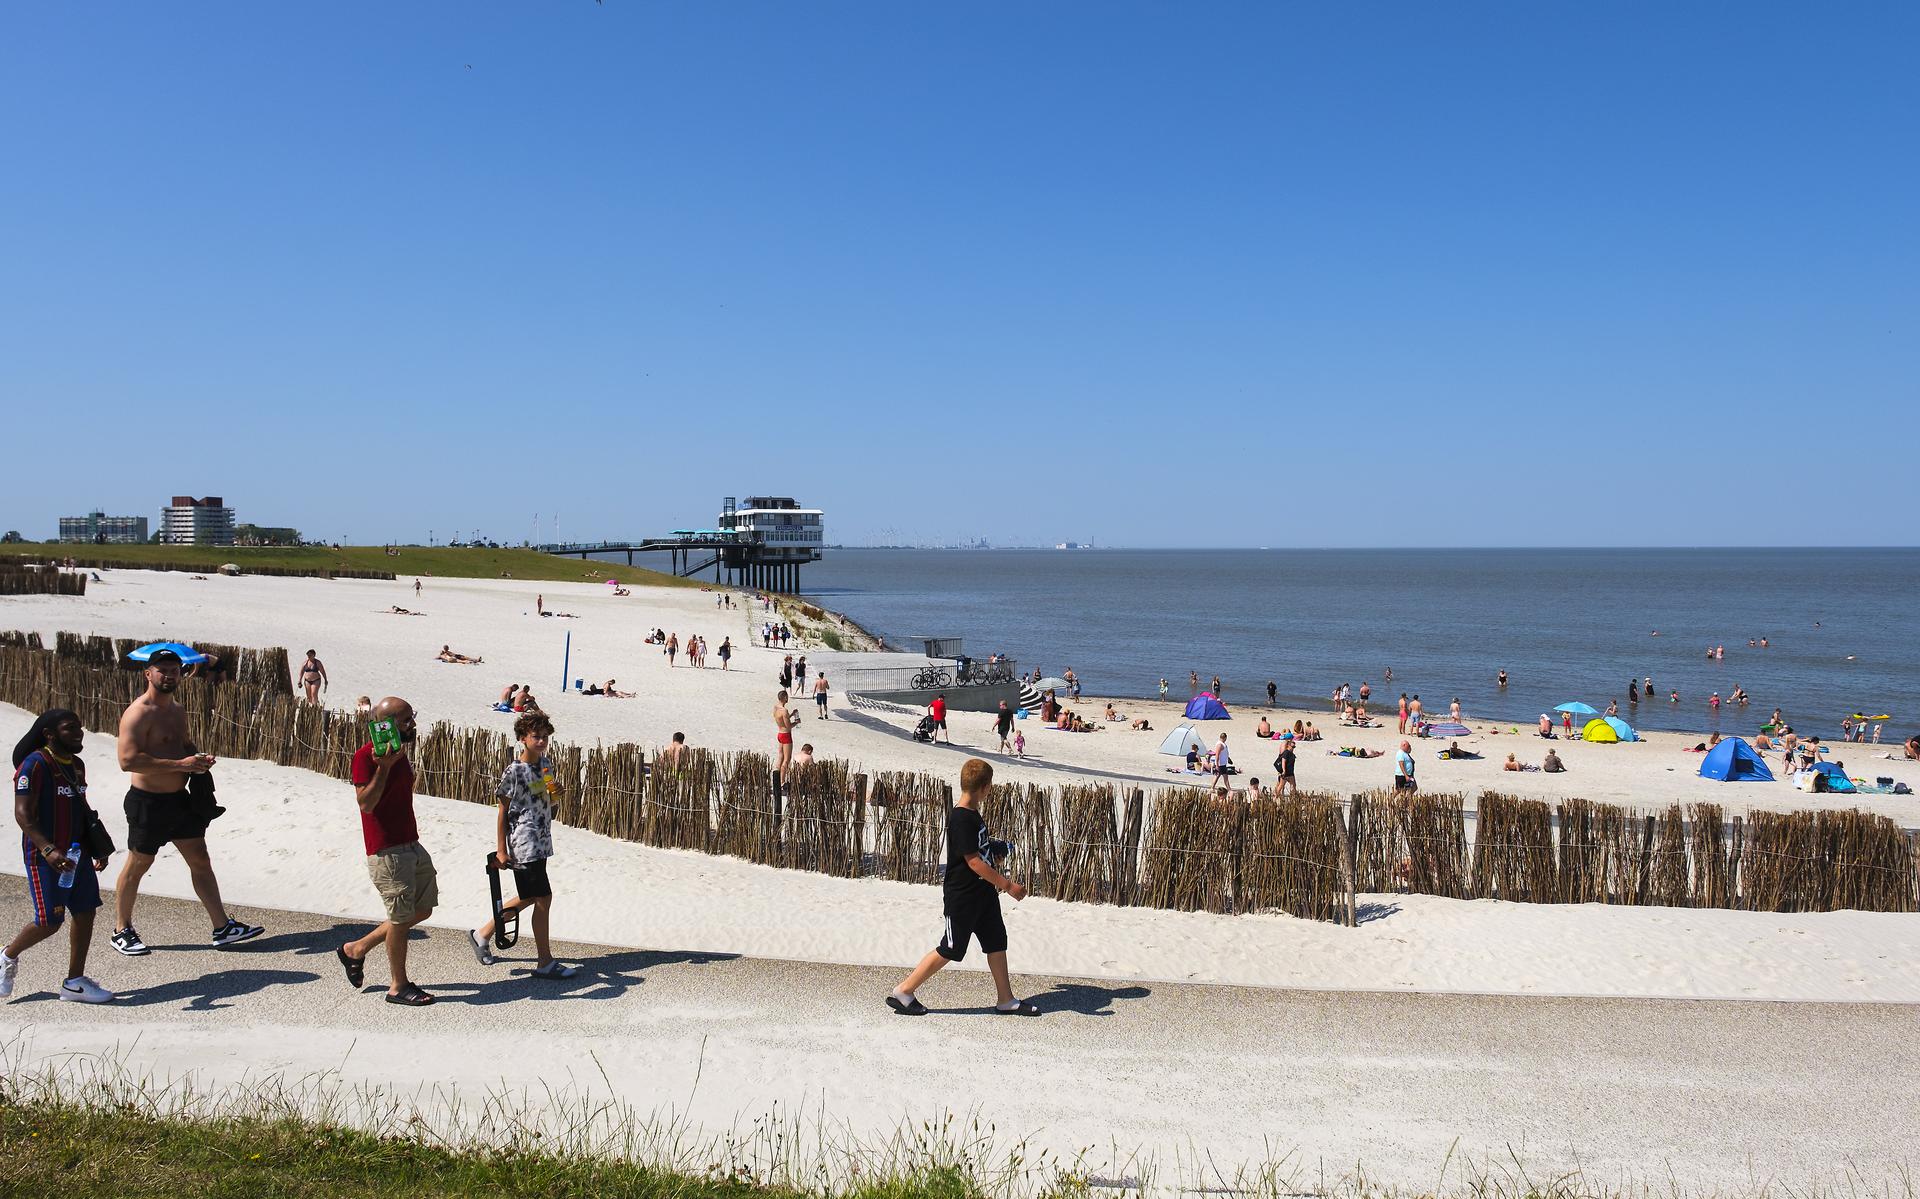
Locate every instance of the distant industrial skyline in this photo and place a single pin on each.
(1228, 275)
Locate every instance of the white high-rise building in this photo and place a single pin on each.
(188, 521)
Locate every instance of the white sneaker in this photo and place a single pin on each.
(84, 990)
(8, 968)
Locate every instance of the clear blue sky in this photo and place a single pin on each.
(1217, 274)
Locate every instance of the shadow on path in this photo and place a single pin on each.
(1080, 999)
(205, 993)
(608, 976)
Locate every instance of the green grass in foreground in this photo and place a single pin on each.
(439, 561)
(66, 1149)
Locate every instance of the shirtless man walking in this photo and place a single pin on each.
(155, 750)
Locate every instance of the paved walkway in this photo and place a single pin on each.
(1706, 1093)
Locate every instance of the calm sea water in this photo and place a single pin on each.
(1843, 625)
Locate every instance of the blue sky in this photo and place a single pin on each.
(1261, 274)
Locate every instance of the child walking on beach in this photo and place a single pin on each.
(971, 899)
(528, 799)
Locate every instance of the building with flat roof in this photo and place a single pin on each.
(97, 528)
(779, 536)
(188, 521)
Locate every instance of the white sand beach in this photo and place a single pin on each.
(1451, 1000)
(291, 839)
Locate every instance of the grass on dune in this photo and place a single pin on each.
(438, 561)
(57, 1148)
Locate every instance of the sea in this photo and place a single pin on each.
(1842, 625)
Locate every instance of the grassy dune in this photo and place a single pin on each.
(61, 1149)
(438, 561)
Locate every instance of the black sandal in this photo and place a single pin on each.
(913, 1006)
(410, 996)
(1020, 1008)
(356, 968)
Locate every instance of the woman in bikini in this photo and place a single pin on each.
(313, 677)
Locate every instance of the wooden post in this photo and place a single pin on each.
(1736, 845)
(1348, 873)
(859, 825)
(1127, 865)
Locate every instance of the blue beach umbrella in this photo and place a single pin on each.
(1577, 708)
(189, 656)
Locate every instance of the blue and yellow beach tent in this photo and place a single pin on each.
(1733, 761)
(1621, 728)
(1598, 730)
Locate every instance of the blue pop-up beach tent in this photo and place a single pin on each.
(1621, 728)
(1204, 707)
(1733, 761)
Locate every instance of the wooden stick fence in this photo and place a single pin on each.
(1187, 850)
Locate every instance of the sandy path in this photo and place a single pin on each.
(1715, 1093)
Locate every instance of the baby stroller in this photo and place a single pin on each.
(924, 730)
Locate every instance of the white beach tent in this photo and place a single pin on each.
(1180, 740)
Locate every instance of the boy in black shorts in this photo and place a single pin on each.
(971, 893)
(528, 797)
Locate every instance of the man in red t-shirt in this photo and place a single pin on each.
(398, 864)
(937, 710)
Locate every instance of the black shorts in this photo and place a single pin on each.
(820, 697)
(1402, 783)
(531, 881)
(940, 723)
(153, 819)
(972, 919)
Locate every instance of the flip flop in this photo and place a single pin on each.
(410, 996)
(481, 950)
(554, 970)
(913, 1007)
(1020, 1008)
(356, 968)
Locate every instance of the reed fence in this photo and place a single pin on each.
(19, 580)
(1183, 848)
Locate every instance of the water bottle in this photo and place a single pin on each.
(73, 865)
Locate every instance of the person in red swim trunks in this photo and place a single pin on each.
(783, 722)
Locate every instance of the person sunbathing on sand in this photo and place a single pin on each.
(1553, 765)
(1263, 730)
(1512, 763)
(1112, 716)
(447, 655)
(612, 693)
(1142, 723)
(397, 610)
(1310, 734)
